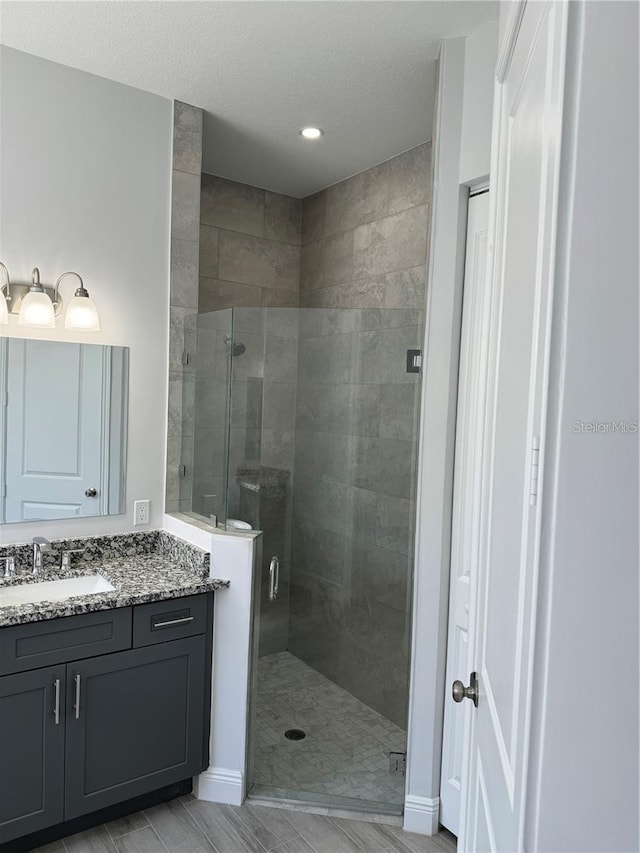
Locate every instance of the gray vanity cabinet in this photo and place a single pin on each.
(100, 708)
(134, 723)
(32, 751)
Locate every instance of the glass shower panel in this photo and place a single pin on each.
(333, 690)
(306, 429)
(211, 417)
(265, 349)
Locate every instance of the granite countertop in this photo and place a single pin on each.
(137, 578)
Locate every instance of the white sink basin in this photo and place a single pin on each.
(28, 593)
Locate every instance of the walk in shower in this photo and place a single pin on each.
(306, 429)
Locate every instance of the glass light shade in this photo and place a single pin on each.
(4, 311)
(36, 309)
(82, 315)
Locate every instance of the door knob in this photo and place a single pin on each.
(460, 692)
(90, 493)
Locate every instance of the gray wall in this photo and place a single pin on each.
(354, 501)
(365, 247)
(250, 260)
(183, 300)
(249, 246)
(364, 240)
(261, 447)
(325, 398)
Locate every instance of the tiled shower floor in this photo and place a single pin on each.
(345, 754)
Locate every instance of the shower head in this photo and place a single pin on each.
(238, 348)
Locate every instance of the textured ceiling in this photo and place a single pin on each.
(363, 71)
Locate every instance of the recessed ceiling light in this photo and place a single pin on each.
(312, 132)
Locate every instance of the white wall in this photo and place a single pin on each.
(461, 156)
(85, 167)
(584, 792)
(233, 557)
(480, 53)
(436, 446)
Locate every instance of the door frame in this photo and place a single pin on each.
(434, 499)
(467, 475)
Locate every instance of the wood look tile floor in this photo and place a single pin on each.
(187, 825)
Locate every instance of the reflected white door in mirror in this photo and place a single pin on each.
(63, 428)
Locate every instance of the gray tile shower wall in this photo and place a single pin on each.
(261, 452)
(249, 246)
(364, 240)
(354, 501)
(185, 235)
(364, 246)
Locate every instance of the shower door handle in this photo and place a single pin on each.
(274, 578)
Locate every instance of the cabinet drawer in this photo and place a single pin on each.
(169, 620)
(39, 644)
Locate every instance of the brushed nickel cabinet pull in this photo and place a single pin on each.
(77, 702)
(56, 702)
(170, 622)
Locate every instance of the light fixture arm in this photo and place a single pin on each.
(6, 288)
(81, 291)
(35, 281)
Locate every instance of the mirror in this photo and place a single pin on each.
(63, 429)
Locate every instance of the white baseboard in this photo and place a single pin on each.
(219, 785)
(421, 815)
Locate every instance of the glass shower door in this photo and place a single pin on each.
(337, 460)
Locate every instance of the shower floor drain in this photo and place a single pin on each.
(295, 734)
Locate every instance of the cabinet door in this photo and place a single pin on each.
(134, 723)
(32, 754)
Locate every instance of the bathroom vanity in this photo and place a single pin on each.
(105, 697)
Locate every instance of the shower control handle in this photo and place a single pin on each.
(274, 578)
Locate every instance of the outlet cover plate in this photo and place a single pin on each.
(141, 512)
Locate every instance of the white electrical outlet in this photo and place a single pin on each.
(141, 512)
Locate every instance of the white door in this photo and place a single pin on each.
(526, 136)
(54, 427)
(466, 494)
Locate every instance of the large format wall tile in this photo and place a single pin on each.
(386, 466)
(282, 216)
(314, 212)
(214, 295)
(233, 206)
(183, 300)
(187, 138)
(327, 262)
(184, 273)
(395, 243)
(347, 408)
(185, 206)
(391, 187)
(254, 260)
(273, 298)
(406, 288)
(209, 240)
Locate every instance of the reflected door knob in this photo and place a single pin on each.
(460, 692)
(91, 493)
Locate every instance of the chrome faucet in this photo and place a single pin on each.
(40, 544)
(9, 567)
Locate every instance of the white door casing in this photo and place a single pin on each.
(466, 493)
(525, 171)
(56, 421)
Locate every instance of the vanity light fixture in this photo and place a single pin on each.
(311, 132)
(39, 304)
(81, 314)
(36, 308)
